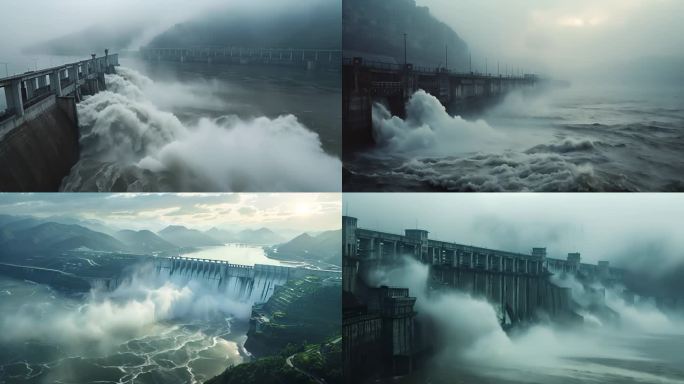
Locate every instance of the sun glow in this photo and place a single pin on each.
(304, 209)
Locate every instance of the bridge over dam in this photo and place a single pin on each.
(519, 286)
(299, 57)
(366, 82)
(39, 123)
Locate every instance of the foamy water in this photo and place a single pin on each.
(131, 142)
(570, 140)
(151, 329)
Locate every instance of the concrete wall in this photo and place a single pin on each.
(37, 154)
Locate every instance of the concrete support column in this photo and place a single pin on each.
(73, 74)
(372, 248)
(56, 83)
(42, 82)
(30, 88)
(13, 97)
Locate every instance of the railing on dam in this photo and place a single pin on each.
(291, 272)
(28, 94)
(211, 261)
(426, 70)
(245, 55)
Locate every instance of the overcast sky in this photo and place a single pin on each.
(28, 22)
(599, 225)
(290, 211)
(564, 36)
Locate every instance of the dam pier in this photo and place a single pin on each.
(39, 126)
(366, 82)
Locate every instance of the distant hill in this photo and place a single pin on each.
(305, 25)
(144, 241)
(89, 40)
(56, 237)
(325, 247)
(377, 27)
(259, 236)
(185, 237)
(221, 235)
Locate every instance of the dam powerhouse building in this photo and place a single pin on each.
(380, 335)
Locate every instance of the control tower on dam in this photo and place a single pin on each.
(39, 134)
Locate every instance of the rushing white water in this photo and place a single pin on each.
(235, 287)
(473, 348)
(146, 330)
(130, 143)
(572, 140)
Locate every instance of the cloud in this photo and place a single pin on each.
(247, 211)
(155, 211)
(564, 38)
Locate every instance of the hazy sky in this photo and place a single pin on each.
(599, 225)
(33, 21)
(564, 36)
(290, 211)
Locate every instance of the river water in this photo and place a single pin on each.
(239, 254)
(165, 126)
(137, 334)
(584, 138)
(621, 358)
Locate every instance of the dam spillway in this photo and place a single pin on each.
(39, 132)
(366, 82)
(244, 283)
(380, 327)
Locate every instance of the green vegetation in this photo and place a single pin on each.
(323, 361)
(304, 310)
(322, 249)
(269, 370)
(297, 335)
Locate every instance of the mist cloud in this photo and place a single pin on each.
(576, 40)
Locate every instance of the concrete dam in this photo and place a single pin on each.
(366, 82)
(244, 283)
(298, 57)
(379, 325)
(39, 135)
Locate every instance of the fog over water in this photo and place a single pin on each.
(639, 346)
(471, 346)
(583, 41)
(618, 126)
(564, 140)
(148, 329)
